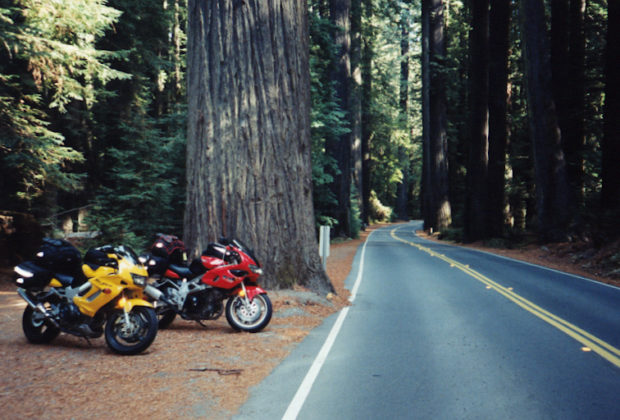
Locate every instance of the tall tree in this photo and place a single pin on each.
(340, 147)
(355, 103)
(248, 151)
(573, 134)
(426, 188)
(368, 36)
(567, 65)
(402, 189)
(476, 211)
(436, 186)
(499, 44)
(550, 169)
(610, 197)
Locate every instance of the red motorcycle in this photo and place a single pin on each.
(227, 270)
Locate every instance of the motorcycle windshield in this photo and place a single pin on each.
(127, 253)
(243, 247)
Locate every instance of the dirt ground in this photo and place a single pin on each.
(188, 372)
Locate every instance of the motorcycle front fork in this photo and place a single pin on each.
(245, 299)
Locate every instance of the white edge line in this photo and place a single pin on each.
(577, 276)
(304, 389)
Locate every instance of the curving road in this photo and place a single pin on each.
(443, 332)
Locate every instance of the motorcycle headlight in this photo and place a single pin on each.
(23, 273)
(256, 269)
(138, 280)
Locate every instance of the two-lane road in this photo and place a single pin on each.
(443, 332)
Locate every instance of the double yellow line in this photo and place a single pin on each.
(605, 350)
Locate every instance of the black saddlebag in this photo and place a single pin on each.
(29, 275)
(59, 256)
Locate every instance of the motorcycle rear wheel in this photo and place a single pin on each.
(133, 337)
(251, 318)
(36, 329)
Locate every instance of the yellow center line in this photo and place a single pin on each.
(605, 350)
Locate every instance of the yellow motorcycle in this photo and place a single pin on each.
(105, 294)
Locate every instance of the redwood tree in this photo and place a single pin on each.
(248, 149)
(610, 198)
(550, 168)
(499, 44)
(340, 147)
(476, 212)
(436, 205)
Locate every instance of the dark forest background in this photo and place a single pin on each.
(491, 120)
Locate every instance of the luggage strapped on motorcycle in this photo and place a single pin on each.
(171, 248)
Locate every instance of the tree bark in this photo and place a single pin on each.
(499, 29)
(573, 137)
(550, 169)
(402, 189)
(568, 66)
(439, 205)
(248, 149)
(610, 197)
(366, 92)
(355, 102)
(340, 148)
(426, 188)
(476, 212)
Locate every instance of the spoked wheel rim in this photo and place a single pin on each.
(133, 334)
(249, 316)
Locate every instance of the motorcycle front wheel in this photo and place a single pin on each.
(36, 329)
(134, 335)
(251, 317)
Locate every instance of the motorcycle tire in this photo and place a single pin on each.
(165, 318)
(36, 328)
(133, 338)
(252, 318)
(164, 314)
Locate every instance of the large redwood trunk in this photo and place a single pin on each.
(552, 198)
(610, 197)
(476, 212)
(438, 211)
(248, 151)
(499, 28)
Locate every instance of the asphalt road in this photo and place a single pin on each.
(442, 332)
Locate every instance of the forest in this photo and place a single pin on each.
(489, 120)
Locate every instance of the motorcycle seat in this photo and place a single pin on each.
(64, 279)
(182, 271)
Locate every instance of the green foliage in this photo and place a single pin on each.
(327, 119)
(48, 60)
(391, 131)
(378, 211)
(140, 188)
(144, 193)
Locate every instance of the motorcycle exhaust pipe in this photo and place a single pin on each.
(157, 294)
(37, 307)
